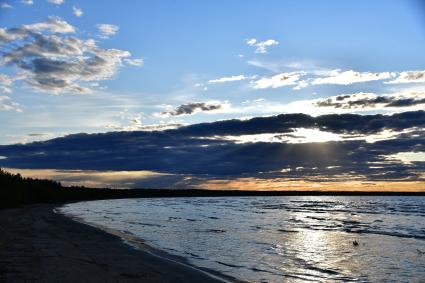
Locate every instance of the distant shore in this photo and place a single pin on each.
(39, 245)
(16, 190)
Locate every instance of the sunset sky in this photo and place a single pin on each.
(215, 94)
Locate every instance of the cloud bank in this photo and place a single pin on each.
(207, 153)
(373, 101)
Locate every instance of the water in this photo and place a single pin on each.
(279, 239)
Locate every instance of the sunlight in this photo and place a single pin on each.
(299, 135)
(408, 157)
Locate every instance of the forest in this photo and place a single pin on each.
(16, 190)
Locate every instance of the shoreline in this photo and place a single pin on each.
(139, 244)
(39, 244)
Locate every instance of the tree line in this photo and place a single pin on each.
(16, 190)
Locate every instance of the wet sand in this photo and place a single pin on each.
(38, 245)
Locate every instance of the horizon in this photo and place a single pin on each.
(242, 95)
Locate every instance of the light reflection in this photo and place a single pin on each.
(317, 252)
(338, 183)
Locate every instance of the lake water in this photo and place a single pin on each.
(278, 239)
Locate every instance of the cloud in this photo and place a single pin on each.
(161, 126)
(27, 2)
(194, 107)
(102, 179)
(316, 76)
(5, 6)
(409, 77)
(209, 153)
(135, 62)
(373, 101)
(283, 79)
(334, 123)
(107, 30)
(56, 2)
(350, 77)
(7, 105)
(136, 125)
(51, 61)
(261, 46)
(228, 79)
(53, 24)
(5, 83)
(77, 11)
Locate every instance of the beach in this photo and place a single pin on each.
(39, 245)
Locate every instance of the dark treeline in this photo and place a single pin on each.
(16, 190)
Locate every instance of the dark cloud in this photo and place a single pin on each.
(335, 123)
(405, 102)
(190, 108)
(198, 149)
(369, 101)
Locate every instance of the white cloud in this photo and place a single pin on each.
(107, 30)
(407, 157)
(261, 46)
(405, 100)
(56, 63)
(279, 80)
(350, 77)
(53, 24)
(7, 81)
(409, 77)
(56, 2)
(77, 11)
(228, 79)
(5, 84)
(251, 41)
(27, 2)
(301, 84)
(5, 89)
(5, 6)
(135, 62)
(133, 122)
(7, 105)
(8, 35)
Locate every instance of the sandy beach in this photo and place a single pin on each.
(39, 245)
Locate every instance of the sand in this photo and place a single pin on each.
(38, 245)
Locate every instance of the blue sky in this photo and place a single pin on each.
(186, 44)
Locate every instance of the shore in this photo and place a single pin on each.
(38, 245)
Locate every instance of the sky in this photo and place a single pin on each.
(215, 94)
